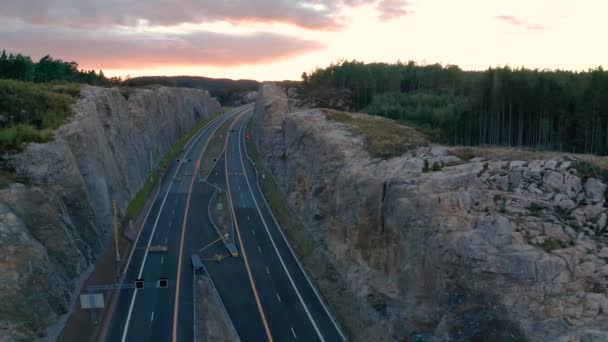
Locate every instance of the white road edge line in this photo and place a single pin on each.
(194, 304)
(314, 324)
(295, 256)
(294, 333)
(141, 269)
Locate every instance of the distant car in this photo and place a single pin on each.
(197, 264)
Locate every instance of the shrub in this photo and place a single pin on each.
(29, 112)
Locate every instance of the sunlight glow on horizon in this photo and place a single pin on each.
(466, 33)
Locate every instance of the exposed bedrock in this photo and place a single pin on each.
(53, 227)
(438, 248)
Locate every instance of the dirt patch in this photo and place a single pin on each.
(220, 215)
(385, 138)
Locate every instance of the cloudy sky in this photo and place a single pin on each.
(278, 39)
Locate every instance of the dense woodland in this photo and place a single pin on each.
(545, 109)
(47, 69)
(227, 91)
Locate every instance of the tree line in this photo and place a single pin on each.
(226, 91)
(48, 69)
(545, 109)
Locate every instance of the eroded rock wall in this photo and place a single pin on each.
(442, 249)
(52, 228)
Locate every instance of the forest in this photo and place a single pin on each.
(542, 109)
(47, 69)
(36, 97)
(225, 90)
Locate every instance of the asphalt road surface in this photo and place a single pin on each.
(147, 314)
(264, 290)
(287, 301)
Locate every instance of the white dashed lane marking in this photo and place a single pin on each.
(294, 333)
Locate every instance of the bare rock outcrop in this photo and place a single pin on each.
(53, 227)
(442, 249)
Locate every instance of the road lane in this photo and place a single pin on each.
(130, 320)
(289, 301)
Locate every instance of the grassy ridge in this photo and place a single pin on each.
(140, 198)
(385, 138)
(29, 112)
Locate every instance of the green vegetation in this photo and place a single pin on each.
(36, 98)
(535, 209)
(30, 111)
(550, 244)
(214, 149)
(342, 301)
(385, 138)
(221, 216)
(48, 69)
(140, 199)
(6, 179)
(542, 109)
(226, 91)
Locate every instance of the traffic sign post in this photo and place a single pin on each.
(92, 301)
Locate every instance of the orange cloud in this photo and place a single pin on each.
(145, 50)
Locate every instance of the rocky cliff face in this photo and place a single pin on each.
(438, 248)
(53, 227)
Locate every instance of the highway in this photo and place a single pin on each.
(287, 301)
(264, 291)
(147, 314)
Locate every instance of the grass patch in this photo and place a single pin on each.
(29, 112)
(385, 138)
(6, 179)
(535, 209)
(221, 215)
(464, 153)
(214, 149)
(140, 198)
(550, 244)
(344, 304)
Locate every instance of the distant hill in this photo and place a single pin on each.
(227, 91)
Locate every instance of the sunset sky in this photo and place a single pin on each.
(279, 39)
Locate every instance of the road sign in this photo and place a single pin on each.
(91, 301)
(139, 283)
